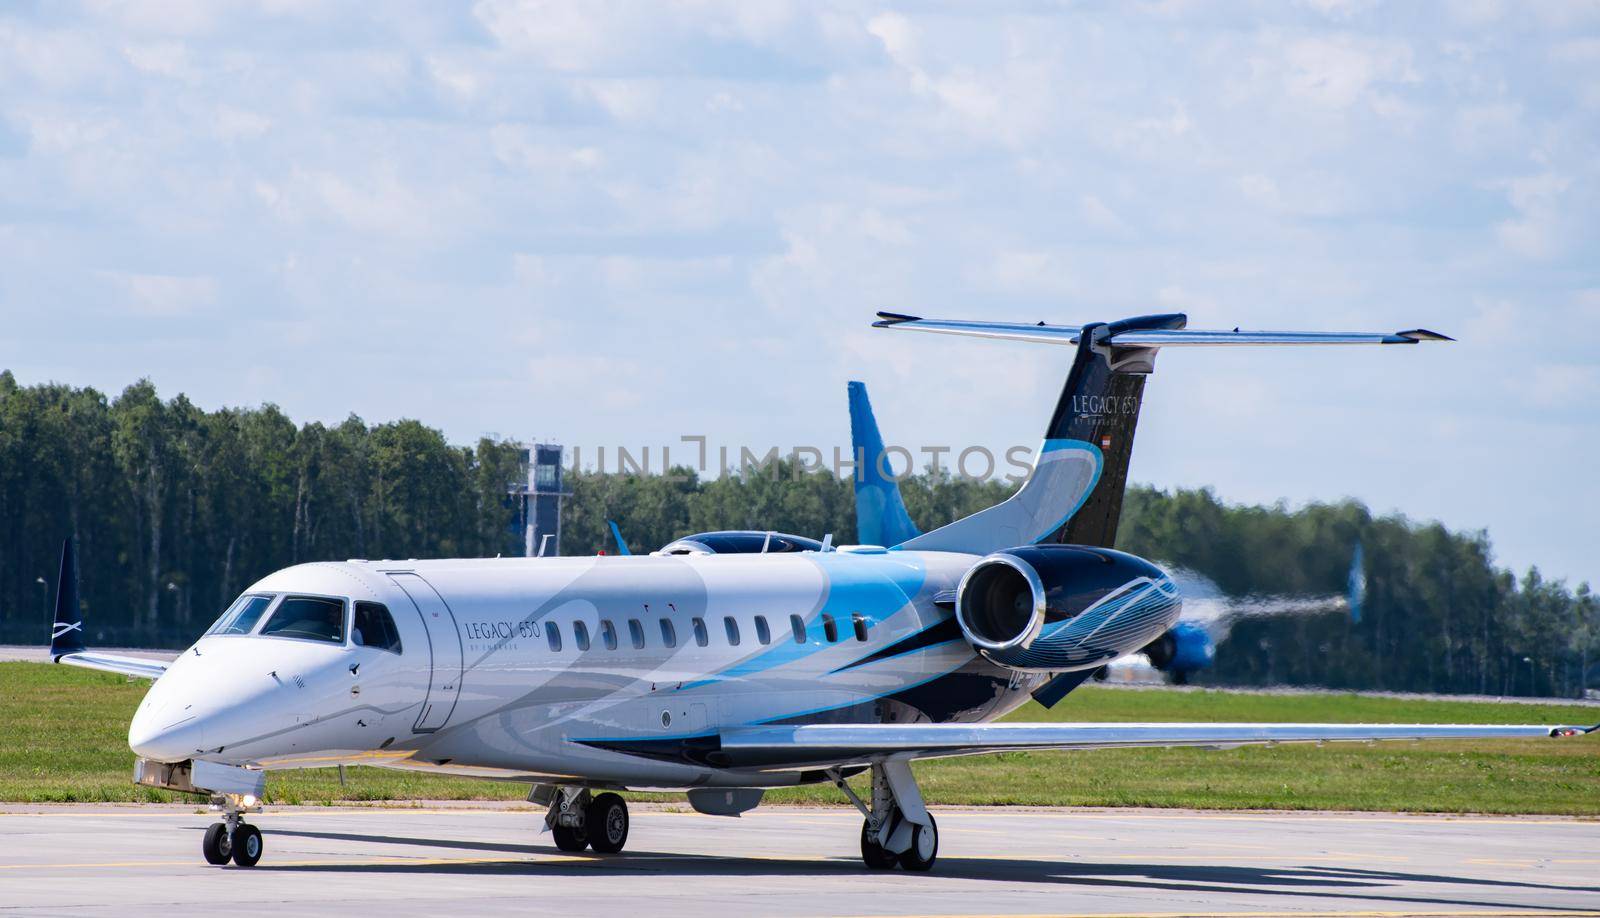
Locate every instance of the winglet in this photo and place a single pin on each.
(622, 547)
(66, 635)
(886, 319)
(1422, 334)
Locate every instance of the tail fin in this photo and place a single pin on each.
(1074, 493)
(881, 517)
(622, 544)
(66, 635)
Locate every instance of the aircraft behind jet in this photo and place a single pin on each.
(721, 665)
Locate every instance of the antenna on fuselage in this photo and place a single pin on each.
(827, 542)
(544, 543)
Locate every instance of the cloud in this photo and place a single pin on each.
(167, 58)
(704, 201)
(165, 296)
(1538, 230)
(1565, 383)
(1340, 70)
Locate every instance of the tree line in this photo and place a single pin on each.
(177, 509)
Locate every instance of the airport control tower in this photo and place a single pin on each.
(536, 500)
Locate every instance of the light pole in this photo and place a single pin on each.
(1529, 661)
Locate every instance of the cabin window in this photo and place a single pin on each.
(830, 629)
(733, 630)
(242, 616)
(798, 626)
(580, 634)
(763, 633)
(636, 633)
(374, 627)
(308, 618)
(700, 636)
(552, 633)
(860, 623)
(669, 635)
(608, 634)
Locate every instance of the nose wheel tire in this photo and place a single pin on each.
(570, 838)
(924, 848)
(606, 821)
(246, 845)
(216, 846)
(872, 853)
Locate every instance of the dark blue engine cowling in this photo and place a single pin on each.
(1185, 649)
(1057, 608)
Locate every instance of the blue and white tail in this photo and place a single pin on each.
(1074, 493)
(881, 517)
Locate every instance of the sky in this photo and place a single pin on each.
(620, 224)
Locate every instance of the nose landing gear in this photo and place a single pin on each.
(233, 838)
(898, 828)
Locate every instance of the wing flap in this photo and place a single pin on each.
(840, 743)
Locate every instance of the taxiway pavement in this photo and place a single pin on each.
(478, 860)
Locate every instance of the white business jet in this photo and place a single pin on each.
(723, 664)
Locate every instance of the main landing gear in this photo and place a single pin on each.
(233, 838)
(579, 820)
(898, 828)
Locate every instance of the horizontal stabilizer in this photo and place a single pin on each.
(809, 744)
(1040, 332)
(1005, 331)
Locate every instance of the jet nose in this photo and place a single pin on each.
(166, 736)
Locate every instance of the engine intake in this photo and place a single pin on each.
(1058, 608)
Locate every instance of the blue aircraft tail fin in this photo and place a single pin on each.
(622, 544)
(881, 517)
(1357, 585)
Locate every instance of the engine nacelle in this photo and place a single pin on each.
(1057, 608)
(1185, 648)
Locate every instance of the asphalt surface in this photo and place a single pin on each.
(145, 860)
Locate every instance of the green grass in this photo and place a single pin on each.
(66, 740)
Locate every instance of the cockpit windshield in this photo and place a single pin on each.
(309, 618)
(242, 616)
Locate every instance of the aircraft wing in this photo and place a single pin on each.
(811, 744)
(138, 667)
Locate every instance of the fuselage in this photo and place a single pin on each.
(614, 670)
